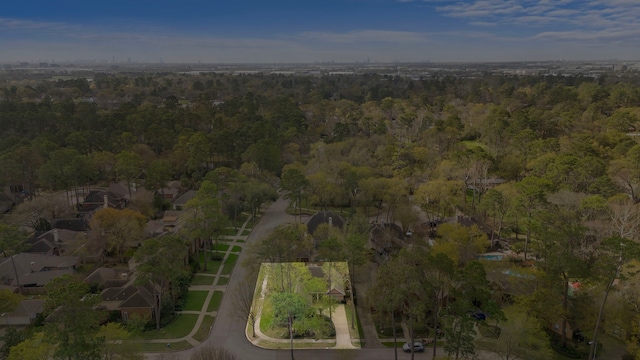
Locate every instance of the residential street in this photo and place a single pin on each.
(229, 332)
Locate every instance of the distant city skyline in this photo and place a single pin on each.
(292, 31)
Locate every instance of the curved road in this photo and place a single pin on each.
(229, 332)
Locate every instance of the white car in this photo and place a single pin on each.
(417, 347)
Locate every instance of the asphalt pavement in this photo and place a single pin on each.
(229, 332)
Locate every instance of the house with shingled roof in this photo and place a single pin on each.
(98, 199)
(34, 271)
(121, 294)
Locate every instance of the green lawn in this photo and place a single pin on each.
(266, 317)
(246, 232)
(236, 249)
(180, 327)
(147, 347)
(223, 280)
(230, 231)
(212, 265)
(229, 264)
(242, 217)
(195, 300)
(354, 331)
(306, 345)
(205, 327)
(215, 301)
(199, 279)
(220, 247)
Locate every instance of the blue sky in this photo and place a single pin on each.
(255, 31)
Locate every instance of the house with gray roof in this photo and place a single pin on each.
(121, 294)
(34, 271)
(25, 314)
(181, 201)
(98, 199)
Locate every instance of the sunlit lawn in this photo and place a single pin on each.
(215, 301)
(266, 319)
(180, 327)
(195, 300)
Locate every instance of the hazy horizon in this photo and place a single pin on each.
(286, 31)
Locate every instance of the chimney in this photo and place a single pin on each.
(106, 201)
(330, 221)
(55, 235)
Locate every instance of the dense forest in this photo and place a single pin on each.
(550, 164)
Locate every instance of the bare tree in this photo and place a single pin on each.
(624, 218)
(245, 308)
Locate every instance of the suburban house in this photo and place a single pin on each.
(181, 201)
(128, 300)
(323, 217)
(170, 192)
(335, 285)
(121, 187)
(103, 277)
(73, 224)
(170, 219)
(56, 242)
(42, 247)
(153, 228)
(506, 284)
(98, 199)
(25, 314)
(385, 239)
(121, 294)
(34, 271)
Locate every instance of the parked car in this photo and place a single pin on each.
(478, 315)
(417, 347)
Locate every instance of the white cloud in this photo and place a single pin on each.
(568, 18)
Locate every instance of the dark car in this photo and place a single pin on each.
(478, 315)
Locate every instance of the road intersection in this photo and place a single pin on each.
(229, 332)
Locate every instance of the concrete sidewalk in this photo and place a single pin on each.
(235, 240)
